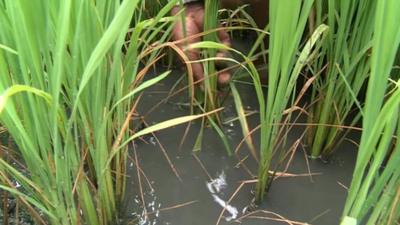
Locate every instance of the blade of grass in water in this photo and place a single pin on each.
(210, 95)
(243, 121)
(214, 46)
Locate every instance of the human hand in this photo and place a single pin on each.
(194, 22)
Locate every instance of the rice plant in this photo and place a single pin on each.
(285, 66)
(373, 196)
(345, 55)
(287, 23)
(66, 90)
(210, 82)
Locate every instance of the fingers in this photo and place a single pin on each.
(197, 67)
(175, 10)
(194, 21)
(224, 37)
(192, 54)
(224, 78)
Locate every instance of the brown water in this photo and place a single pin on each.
(317, 200)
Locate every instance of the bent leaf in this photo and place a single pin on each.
(15, 89)
(157, 127)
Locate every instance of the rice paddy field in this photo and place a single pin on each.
(293, 118)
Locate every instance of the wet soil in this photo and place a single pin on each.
(316, 199)
(11, 211)
(15, 213)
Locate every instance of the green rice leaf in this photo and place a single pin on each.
(142, 87)
(349, 221)
(15, 89)
(243, 120)
(8, 49)
(158, 127)
(121, 20)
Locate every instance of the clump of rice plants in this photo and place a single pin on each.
(66, 90)
(341, 69)
(287, 23)
(285, 65)
(373, 196)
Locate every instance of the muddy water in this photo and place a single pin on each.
(169, 201)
